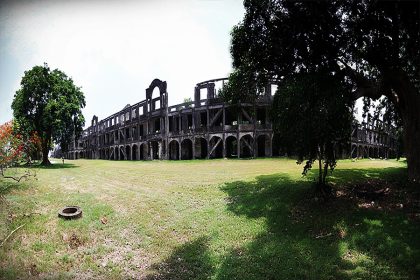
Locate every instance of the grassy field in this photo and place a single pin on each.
(211, 219)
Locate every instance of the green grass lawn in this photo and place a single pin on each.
(209, 219)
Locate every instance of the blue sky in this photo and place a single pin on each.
(114, 49)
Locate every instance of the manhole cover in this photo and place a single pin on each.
(70, 212)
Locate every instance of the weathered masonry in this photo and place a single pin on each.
(373, 140)
(206, 127)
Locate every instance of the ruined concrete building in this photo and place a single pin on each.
(373, 140)
(206, 127)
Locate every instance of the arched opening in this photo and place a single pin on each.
(121, 152)
(154, 145)
(135, 152)
(127, 152)
(365, 152)
(246, 148)
(200, 147)
(216, 147)
(173, 150)
(263, 146)
(155, 95)
(353, 151)
(186, 149)
(143, 152)
(231, 146)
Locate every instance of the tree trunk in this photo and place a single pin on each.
(45, 150)
(411, 122)
(406, 97)
(408, 103)
(320, 180)
(325, 173)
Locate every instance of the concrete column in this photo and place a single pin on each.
(193, 148)
(150, 149)
(270, 151)
(224, 117)
(159, 150)
(193, 120)
(208, 143)
(224, 143)
(238, 147)
(179, 149)
(180, 123)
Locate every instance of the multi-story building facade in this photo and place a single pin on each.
(206, 127)
(373, 140)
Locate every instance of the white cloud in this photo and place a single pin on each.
(114, 49)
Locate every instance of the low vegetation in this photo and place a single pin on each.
(210, 219)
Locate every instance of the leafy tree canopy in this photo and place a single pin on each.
(371, 45)
(311, 113)
(49, 103)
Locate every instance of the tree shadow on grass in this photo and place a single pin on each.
(349, 176)
(306, 239)
(191, 260)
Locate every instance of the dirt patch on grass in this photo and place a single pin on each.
(383, 195)
(73, 240)
(377, 195)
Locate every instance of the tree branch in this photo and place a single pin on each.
(365, 87)
(10, 234)
(17, 179)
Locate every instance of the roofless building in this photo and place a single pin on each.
(204, 128)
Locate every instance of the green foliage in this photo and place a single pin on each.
(187, 100)
(242, 86)
(372, 46)
(273, 40)
(311, 113)
(50, 104)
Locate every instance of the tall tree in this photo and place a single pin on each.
(372, 44)
(49, 103)
(318, 126)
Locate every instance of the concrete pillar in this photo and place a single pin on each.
(180, 122)
(271, 146)
(224, 145)
(193, 147)
(159, 150)
(208, 143)
(238, 147)
(179, 149)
